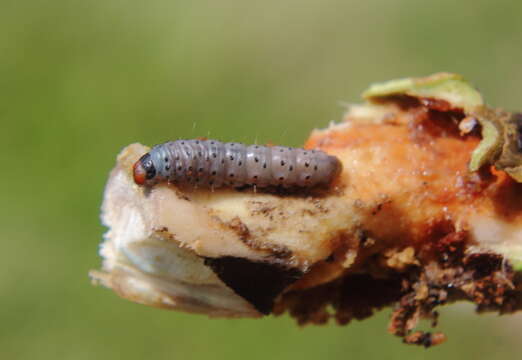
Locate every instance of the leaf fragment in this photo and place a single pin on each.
(443, 86)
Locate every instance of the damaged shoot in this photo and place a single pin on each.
(426, 211)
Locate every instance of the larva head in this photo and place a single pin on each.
(144, 170)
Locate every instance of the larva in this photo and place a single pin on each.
(214, 164)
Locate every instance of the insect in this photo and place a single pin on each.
(214, 164)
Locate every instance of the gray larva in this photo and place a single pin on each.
(213, 164)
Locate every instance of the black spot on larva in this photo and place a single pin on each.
(222, 163)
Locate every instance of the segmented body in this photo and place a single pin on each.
(211, 163)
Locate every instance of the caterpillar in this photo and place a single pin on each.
(214, 164)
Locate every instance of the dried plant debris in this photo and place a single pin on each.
(426, 211)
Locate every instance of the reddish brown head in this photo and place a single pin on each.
(143, 170)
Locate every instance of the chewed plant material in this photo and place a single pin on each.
(213, 164)
(423, 209)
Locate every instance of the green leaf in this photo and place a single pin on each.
(444, 86)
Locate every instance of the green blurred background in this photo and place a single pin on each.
(80, 79)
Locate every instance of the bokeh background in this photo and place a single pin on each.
(80, 79)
